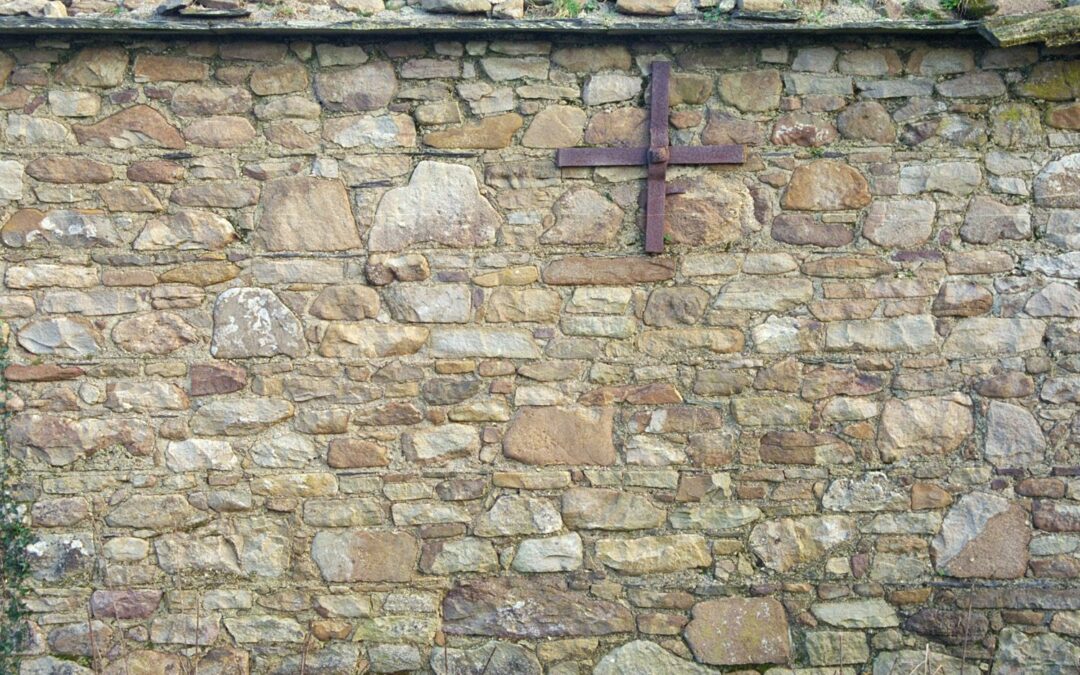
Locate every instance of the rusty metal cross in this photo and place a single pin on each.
(656, 157)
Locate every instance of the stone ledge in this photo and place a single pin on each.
(378, 27)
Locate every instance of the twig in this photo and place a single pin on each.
(840, 666)
(967, 627)
(123, 639)
(95, 657)
(304, 651)
(198, 630)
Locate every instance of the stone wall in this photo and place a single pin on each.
(315, 357)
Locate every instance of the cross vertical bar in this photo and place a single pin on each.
(658, 158)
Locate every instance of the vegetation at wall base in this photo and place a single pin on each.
(15, 536)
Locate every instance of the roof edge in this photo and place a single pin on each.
(372, 27)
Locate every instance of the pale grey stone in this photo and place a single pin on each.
(441, 204)
(11, 184)
(74, 103)
(654, 555)
(500, 68)
(237, 416)
(924, 425)
(62, 336)
(513, 515)
(1058, 184)
(335, 657)
(831, 647)
(374, 131)
(393, 658)
(200, 454)
(900, 223)
(261, 629)
(340, 55)
(1063, 266)
(159, 512)
(955, 178)
(289, 450)
(1056, 299)
(897, 88)
(1063, 229)
(815, 59)
(461, 555)
(599, 326)
(713, 516)
(985, 335)
(254, 322)
(604, 88)
(775, 295)
(551, 554)
(803, 84)
(642, 657)
(904, 334)
(343, 513)
(1013, 436)
(441, 303)
(1062, 389)
(443, 443)
(647, 450)
(186, 230)
(185, 629)
(784, 544)
(30, 130)
(415, 513)
(56, 557)
(95, 302)
(482, 342)
(964, 522)
(870, 492)
(870, 613)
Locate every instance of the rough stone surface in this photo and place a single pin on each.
(924, 425)
(737, 631)
(983, 536)
(583, 216)
(306, 214)
(254, 322)
(826, 185)
(1057, 184)
(440, 205)
(899, 224)
(317, 360)
(500, 608)
(1013, 436)
(553, 435)
(645, 658)
(358, 555)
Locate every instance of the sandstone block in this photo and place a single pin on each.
(739, 631)
(826, 185)
(552, 435)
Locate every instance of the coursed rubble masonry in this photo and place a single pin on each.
(317, 358)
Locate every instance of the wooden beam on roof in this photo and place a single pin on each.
(1057, 28)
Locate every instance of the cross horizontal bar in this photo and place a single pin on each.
(707, 154)
(601, 156)
(680, 154)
